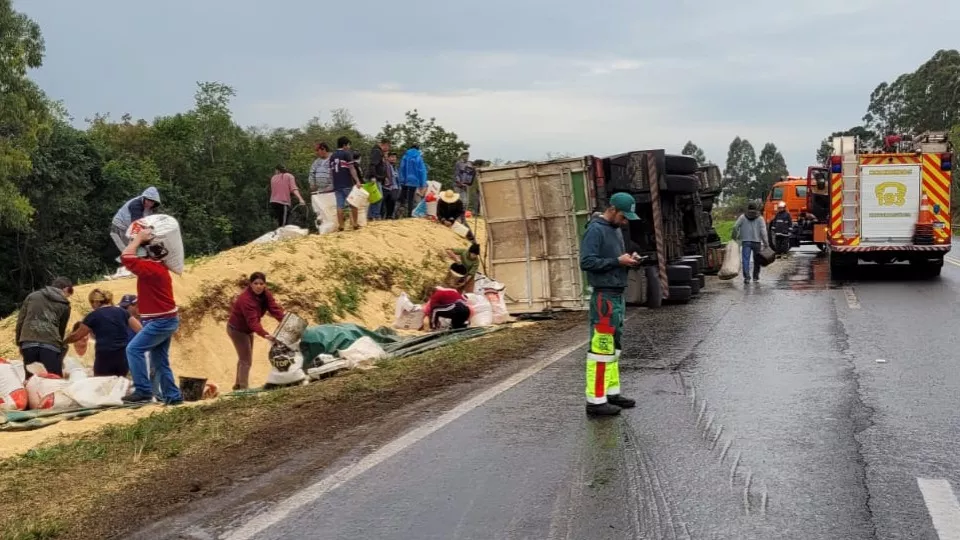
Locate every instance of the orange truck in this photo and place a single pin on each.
(795, 192)
(886, 206)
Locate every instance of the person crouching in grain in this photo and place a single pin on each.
(248, 308)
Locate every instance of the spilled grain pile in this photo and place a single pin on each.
(349, 276)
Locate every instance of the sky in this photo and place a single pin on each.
(516, 79)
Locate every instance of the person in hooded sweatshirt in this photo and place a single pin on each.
(413, 177)
(751, 231)
(42, 325)
(604, 258)
(136, 208)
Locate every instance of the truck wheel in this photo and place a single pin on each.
(654, 291)
(679, 164)
(679, 274)
(821, 246)
(694, 286)
(679, 183)
(841, 265)
(926, 269)
(695, 262)
(680, 294)
(703, 280)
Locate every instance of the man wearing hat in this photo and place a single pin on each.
(604, 259)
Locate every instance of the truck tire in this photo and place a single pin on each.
(694, 286)
(679, 274)
(654, 291)
(695, 262)
(679, 294)
(680, 183)
(703, 280)
(679, 164)
(926, 269)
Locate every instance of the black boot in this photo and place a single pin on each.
(602, 409)
(620, 401)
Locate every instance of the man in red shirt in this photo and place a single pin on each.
(158, 314)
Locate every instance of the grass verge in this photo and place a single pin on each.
(121, 477)
(724, 229)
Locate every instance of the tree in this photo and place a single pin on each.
(927, 99)
(771, 167)
(741, 168)
(440, 147)
(24, 116)
(691, 149)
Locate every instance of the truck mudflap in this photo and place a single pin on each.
(892, 248)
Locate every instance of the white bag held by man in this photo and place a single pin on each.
(481, 312)
(325, 207)
(166, 245)
(731, 261)
(407, 316)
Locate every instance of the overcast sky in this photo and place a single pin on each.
(514, 78)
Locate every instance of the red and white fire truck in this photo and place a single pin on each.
(886, 206)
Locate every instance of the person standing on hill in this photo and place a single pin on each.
(42, 325)
(391, 188)
(282, 185)
(345, 178)
(320, 182)
(158, 311)
(136, 208)
(248, 308)
(377, 172)
(603, 257)
(750, 230)
(113, 327)
(413, 177)
(464, 175)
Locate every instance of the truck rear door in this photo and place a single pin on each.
(890, 202)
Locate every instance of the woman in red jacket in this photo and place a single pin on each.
(248, 308)
(448, 302)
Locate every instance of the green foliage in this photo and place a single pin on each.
(691, 149)
(771, 167)
(741, 168)
(24, 112)
(724, 229)
(440, 147)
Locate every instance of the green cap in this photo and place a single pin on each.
(625, 203)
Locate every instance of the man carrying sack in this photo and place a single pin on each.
(603, 257)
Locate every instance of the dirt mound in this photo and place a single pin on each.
(349, 276)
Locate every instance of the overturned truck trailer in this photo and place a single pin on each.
(536, 214)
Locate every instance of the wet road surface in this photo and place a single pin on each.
(792, 408)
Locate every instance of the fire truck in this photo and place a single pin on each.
(884, 206)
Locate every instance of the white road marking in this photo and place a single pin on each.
(852, 301)
(313, 492)
(943, 507)
(952, 260)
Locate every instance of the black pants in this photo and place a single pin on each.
(408, 195)
(110, 363)
(458, 314)
(281, 213)
(389, 208)
(52, 360)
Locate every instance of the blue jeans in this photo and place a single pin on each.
(342, 194)
(748, 251)
(155, 339)
(373, 211)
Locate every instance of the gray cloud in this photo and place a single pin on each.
(515, 79)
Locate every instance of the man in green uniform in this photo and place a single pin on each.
(603, 257)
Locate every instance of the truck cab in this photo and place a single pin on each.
(791, 190)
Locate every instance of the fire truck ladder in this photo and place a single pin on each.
(848, 148)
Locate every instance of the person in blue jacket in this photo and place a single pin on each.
(146, 204)
(604, 258)
(413, 177)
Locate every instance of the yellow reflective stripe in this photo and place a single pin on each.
(612, 377)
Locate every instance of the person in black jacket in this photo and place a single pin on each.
(780, 228)
(377, 172)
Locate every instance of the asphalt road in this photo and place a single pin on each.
(793, 408)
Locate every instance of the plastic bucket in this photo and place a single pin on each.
(192, 388)
(290, 330)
